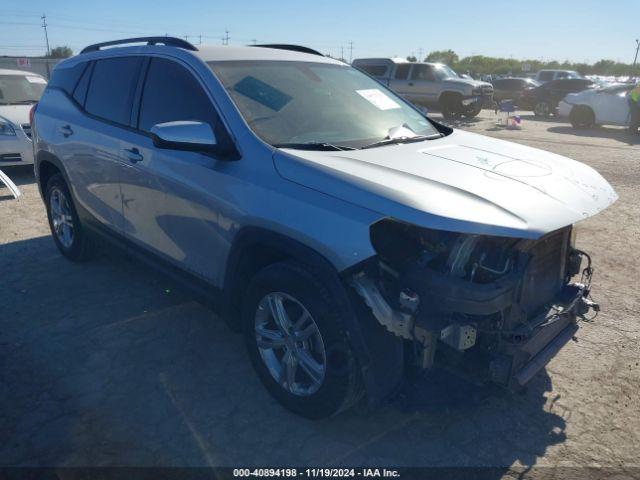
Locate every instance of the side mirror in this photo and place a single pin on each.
(185, 135)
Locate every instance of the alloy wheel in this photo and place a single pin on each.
(290, 344)
(61, 217)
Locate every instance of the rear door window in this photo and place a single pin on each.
(402, 72)
(545, 76)
(374, 70)
(112, 88)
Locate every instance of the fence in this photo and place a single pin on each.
(42, 66)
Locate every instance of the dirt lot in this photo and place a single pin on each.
(105, 364)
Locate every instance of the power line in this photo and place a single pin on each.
(19, 23)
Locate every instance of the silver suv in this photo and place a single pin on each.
(432, 85)
(349, 237)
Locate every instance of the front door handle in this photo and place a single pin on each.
(66, 131)
(133, 155)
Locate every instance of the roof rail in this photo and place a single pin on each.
(294, 48)
(168, 41)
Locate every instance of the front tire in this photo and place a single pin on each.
(66, 229)
(451, 107)
(473, 112)
(295, 336)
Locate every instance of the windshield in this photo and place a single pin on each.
(18, 89)
(304, 102)
(568, 74)
(443, 72)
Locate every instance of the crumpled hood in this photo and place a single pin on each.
(464, 182)
(16, 114)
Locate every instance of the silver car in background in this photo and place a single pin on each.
(430, 85)
(19, 91)
(349, 237)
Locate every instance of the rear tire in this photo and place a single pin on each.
(333, 383)
(66, 229)
(582, 117)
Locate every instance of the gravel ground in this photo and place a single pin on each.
(105, 364)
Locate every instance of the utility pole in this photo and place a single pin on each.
(420, 59)
(225, 39)
(46, 37)
(46, 34)
(342, 53)
(633, 69)
(350, 51)
(200, 39)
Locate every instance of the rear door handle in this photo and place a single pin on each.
(65, 130)
(133, 155)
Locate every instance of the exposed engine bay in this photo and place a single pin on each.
(490, 308)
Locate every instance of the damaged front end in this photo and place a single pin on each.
(493, 309)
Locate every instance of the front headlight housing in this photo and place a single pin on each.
(6, 129)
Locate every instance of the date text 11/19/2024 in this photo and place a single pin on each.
(316, 472)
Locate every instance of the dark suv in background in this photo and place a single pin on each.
(544, 100)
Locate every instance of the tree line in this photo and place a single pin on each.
(481, 64)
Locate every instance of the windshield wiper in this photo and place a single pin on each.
(314, 146)
(392, 141)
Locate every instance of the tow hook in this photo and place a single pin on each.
(585, 305)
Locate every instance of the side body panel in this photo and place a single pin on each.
(89, 151)
(611, 108)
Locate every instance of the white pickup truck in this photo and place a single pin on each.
(433, 85)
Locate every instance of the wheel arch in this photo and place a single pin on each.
(47, 165)
(583, 106)
(449, 94)
(255, 248)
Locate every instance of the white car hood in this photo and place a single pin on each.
(584, 96)
(16, 114)
(464, 182)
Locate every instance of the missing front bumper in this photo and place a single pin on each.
(544, 356)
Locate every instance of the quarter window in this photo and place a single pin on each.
(113, 85)
(80, 92)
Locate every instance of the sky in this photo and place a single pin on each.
(575, 30)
